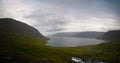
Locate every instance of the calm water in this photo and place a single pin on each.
(72, 41)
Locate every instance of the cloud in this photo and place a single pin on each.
(114, 6)
(31, 14)
(1, 8)
(51, 16)
(51, 22)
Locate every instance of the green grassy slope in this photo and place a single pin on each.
(107, 51)
(35, 49)
(31, 47)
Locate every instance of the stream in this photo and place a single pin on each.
(88, 60)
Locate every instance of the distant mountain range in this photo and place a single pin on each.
(87, 34)
(8, 25)
(113, 35)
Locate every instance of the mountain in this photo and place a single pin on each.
(113, 35)
(8, 25)
(87, 34)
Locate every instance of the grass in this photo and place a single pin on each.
(32, 47)
(107, 51)
(35, 49)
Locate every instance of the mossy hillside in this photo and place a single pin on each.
(32, 47)
(109, 51)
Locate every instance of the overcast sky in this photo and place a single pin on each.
(51, 16)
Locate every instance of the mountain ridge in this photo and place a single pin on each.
(9, 25)
(86, 34)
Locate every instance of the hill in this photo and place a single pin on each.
(87, 34)
(113, 35)
(21, 43)
(8, 25)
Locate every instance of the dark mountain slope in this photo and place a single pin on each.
(8, 25)
(113, 35)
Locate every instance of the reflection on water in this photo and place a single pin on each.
(72, 41)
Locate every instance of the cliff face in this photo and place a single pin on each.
(8, 25)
